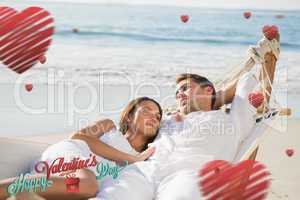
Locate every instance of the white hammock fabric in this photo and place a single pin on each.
(271, 109)
(262, 126)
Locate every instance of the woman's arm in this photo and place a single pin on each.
(108, 152)
(88, 187)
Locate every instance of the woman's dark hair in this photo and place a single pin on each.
(131, 108)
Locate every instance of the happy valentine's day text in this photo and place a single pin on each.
(105, 169)
(27, 183)
(59, 165)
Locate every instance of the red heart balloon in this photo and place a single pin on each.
(270, 31)
(244, 181)
(24, 36)
(42, 59)
(28, 87)
(247, 15)
(256, 99)
(279, 16)
(289, 152)
(184, 18)
(75, 30)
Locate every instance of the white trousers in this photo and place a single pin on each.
(133, 185)
(182, 185)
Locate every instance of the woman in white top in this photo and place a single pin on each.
(139, 124)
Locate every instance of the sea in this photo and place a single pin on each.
(135, 44)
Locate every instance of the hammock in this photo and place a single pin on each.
(269, 111)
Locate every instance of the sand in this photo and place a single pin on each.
(285, 170)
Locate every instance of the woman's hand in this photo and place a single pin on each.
(144, 155)
(177, 116)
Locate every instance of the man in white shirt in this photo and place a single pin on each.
(196, 134)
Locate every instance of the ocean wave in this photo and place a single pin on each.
(225, 40)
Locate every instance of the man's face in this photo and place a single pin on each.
(191, 97)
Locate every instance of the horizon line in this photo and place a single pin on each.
(187, 5)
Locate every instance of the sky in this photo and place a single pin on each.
(247, 4)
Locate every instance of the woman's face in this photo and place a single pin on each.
(146, 119)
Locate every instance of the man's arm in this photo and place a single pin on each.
(226, 95)
(91, 135)
(268, 70)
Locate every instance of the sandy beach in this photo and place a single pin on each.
(285, 170)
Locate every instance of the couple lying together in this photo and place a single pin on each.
(164, 152)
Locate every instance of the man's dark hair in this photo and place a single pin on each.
(202, 81)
